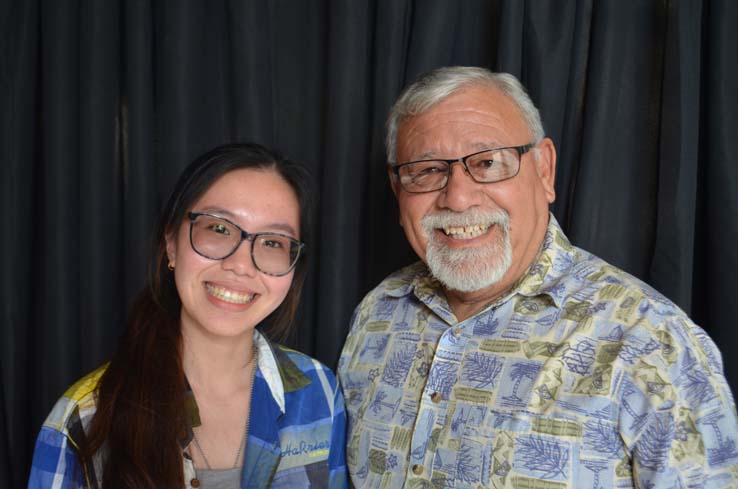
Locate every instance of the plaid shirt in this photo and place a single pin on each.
(296, 437)
(580, 377)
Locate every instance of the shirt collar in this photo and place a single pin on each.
(280, 374)
(551, 268)
(543, 277)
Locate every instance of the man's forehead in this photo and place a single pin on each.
(469, 147)
(473, 119)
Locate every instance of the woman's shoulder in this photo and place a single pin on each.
(304, 362)
(292, 361)
(77, 404)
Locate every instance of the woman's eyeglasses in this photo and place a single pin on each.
(217, 238)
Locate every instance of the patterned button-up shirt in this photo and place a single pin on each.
(581, 377)
(296, 433)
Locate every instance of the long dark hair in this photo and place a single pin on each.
(140, 421)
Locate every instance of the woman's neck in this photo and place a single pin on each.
(217, 365)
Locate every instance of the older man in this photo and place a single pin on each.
(508, 357)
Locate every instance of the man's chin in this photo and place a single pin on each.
(469, 270)
(467, 277)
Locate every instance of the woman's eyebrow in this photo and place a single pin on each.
(278, 226)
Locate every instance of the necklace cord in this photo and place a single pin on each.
(242, 445)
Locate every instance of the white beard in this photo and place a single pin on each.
(474, 268)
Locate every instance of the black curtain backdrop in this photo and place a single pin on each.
(103, 103)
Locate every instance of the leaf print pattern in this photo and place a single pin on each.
(653, 447)
(546, 456)
(398, 365)
(603, 438)
(481, 370)
(469, 463)
(442, 377)
(563, 262)
(697, 387)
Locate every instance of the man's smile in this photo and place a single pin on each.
(465, 232)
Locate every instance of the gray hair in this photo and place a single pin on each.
(435, 86)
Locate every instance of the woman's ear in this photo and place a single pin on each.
(171, 249)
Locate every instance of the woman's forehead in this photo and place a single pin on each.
(252, 197)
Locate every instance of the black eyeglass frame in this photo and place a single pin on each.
(245, 236)
(395, 168)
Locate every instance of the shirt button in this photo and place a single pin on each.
(417, 469)
(457, 331)
(195, 482)
(436, 397)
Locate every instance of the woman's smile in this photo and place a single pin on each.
(226, 294)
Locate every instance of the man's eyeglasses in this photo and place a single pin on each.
(488, 166)
(218, 238)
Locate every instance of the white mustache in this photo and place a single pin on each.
(474, 216)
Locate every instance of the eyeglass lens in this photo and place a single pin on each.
(488, 166)
(216, 238)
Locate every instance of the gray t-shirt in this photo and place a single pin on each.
(220, 479)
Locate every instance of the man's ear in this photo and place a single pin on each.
(394, 181)
(546, 167)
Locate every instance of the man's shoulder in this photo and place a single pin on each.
(595, 280)
(378, 304)
(77, 403)
(398, 283)
(635, 315)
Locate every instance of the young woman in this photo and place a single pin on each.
(197, 396)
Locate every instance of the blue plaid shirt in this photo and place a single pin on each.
(296, 438)
(581, 377)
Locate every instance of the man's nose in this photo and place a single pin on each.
(461, 190)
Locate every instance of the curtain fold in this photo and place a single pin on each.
(716, 231)
(672, 267)
(18, 119)
(103, 104)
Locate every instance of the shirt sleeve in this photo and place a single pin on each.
(55, 463)
(682, 414)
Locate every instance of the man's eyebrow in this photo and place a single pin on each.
(426, 155)
(487, 145)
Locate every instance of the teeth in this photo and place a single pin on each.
(466, 232)
(227, 295)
